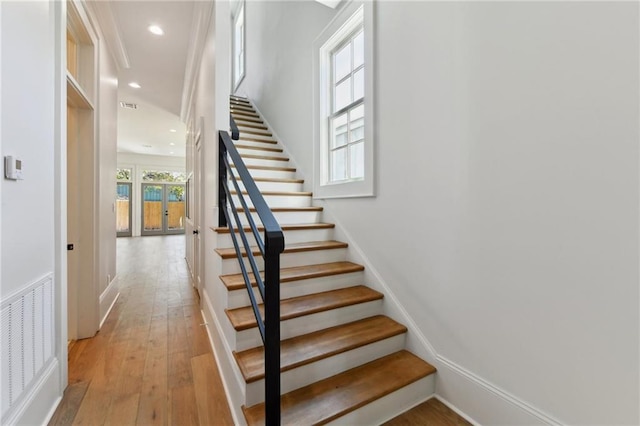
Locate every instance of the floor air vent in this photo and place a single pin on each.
(27, 337)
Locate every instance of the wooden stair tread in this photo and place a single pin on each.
(241, 107)
(279, 193)
(238, 120)
(296, 273)
(237, 113)
(287, 209)
(264, 157)
(308, 348)
(331, 398)
(292, 227)
(274, 169)
(258, 148)
(278, 180)
(244, 319)
(254, 126)
(230, 253)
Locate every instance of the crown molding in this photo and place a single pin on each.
(200, 26)
(111, 32)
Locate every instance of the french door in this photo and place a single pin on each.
(163, 208)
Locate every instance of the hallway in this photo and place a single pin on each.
(151, 363)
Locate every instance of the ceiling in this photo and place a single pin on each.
(157, 63)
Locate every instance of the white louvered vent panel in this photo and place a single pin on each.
(38, 328)
(27, 338)
(5, 399)
(16, 382)
(27, 341)
(48, 319)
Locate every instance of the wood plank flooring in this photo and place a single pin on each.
(429, 413)
(151, 363)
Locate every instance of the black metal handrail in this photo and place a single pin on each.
(270, 249)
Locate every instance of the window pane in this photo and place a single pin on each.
(342, 63)
(357, 160)
(342, 96)
(339, 164)
(339, 131)
(358, 50)
(357, 123)
(358, 85)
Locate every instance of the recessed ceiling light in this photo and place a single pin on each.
(172, 130)
(134, 85)
(154, 29)
(171, 143)
(171, 152)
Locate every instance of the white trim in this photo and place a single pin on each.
(60, 190)
(202, 12)
(35, 401)
(340, 26)
(103, 13)
(108, 300)
(455, 409)
(505, 396)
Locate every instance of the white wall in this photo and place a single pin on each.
(28, 130)
(515, 246)
(138, 163)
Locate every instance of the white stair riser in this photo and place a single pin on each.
(257, 144)
(246, 339)
(240, 298)
(287, 260)
(390, 406)
(250, 131)
(263, 162)
(252, 136)
(273, 186)
(272, 174)
(250, 151)
(275, 201)
(290, 236)
(327, 367)
(290, 218)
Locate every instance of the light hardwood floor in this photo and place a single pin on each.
(151, 362)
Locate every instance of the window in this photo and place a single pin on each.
(238, 46)
(163, 176)
(123, 174)
(343, 148)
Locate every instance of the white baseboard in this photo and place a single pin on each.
(108, 299)
(484, 402)
(39, 404)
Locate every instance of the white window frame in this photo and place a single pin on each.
(352, 15)
(239, 61)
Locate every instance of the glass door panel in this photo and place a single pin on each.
(123, 209)
(152, 209)
(174, 195)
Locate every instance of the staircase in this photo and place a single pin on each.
(341, 360)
